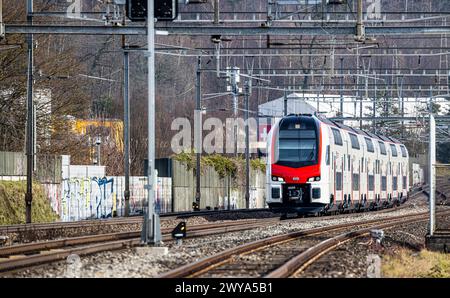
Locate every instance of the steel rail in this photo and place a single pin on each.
(71, 241)
(209, 30)
(56, 250)
(21, 261)
(304, 259)
(211, 262)
(114, 221)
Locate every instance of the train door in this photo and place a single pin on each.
(377, 176)
(389, 176)
(346, 187)
(363, 175)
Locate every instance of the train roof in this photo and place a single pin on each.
(356, 130)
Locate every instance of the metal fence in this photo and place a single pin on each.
(13, 166)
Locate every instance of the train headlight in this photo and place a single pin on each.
(279, 179)
(312, 179)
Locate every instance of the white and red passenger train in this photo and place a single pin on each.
(315, 165)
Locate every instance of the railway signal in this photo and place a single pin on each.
(179, 232)
(165, 10)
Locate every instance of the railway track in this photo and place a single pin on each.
(287, 255)
(38, 231)
(31, 254)
(284, 255)
(115, 221)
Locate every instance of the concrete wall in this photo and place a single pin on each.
(79, 192)
(418, 169)
(78, 198)
(215, 190)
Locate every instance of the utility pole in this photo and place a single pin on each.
(247, 147)
(431, 169)
(357, 79)
(285, 101)
(216, 12)
(257, 117)
(30, 117)
(375, 106)
(235, 91)
(403, 107)
(198, 133)
(341, 111)
(152, 229)
(2, 26)
(126, 118)
(98, 142)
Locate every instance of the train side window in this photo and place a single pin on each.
(369, 144)
(382, 148)
(327, 155)
(404, 182)
(383, 183)
(355, 182)
(337, 136)
(338, 181)
(403, 149)
(354, 140)
(394, 150)
(394, 183)
(371, 183)
(349, 167)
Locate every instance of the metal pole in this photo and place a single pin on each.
(198, 133)
(375, 107)
(357, 77)
(403, 108)
(285, 109)
(126, 137)
(257, 117)
(360, 30)
(152, 226)
(431, 163)
(30, 116)
(216, 12)
(235, 108)
(247, 148)
(341, 111)
(229, 191)
(98, 150)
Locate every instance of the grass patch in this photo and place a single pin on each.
(12, 203)
(424, 264)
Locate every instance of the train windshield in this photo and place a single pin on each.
(297, 142)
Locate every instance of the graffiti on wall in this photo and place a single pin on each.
(93, 197)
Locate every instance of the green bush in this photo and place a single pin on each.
(223, 165)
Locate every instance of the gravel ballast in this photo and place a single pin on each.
(137, 263)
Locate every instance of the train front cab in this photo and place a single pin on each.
(297, 163)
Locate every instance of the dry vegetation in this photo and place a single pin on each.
(12, 203)
(416, 264)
